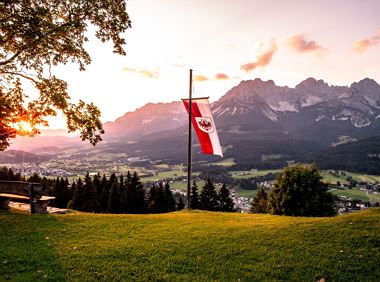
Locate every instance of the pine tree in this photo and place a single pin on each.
(160, 198)
(78, 198)
(70, 204)
(169, 199)
(34, 178)
(140, 205)
(61, 193)
(209, 197)
(97, 185)
(10, 174)
(4, 173)
(181, 204)
(122, 190)
(260, 202)
(152, 199)
(226, 204)
(91, 202)
(114, 199)
(194, 197)
(104, 194)
(157, 203)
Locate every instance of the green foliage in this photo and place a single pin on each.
(161, 199)
(35, 36)
(260, 202)
(217, 174)
(170, 204)
(181, 204)
(194, 197)
(225, 202)
(134, 195)
(183, 246)
(114, 198)
(208, 197)
(299, 191)
(61, 193)
(8, 174)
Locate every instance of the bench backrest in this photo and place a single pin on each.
(21, 188)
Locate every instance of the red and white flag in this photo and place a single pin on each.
(204, 126)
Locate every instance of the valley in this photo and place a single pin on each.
(262, 127)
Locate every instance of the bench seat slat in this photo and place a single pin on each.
(46, 198)
(6, 195)
(14, 196)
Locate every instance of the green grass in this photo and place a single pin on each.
(165, 174)
(332, 179)
(249, 174)
(374, 197)
(353, 193)
(329, 178)
(225, 162)
(245, 193)
(364, 177)
(196, 246)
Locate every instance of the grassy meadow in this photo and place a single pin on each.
(354, 193)
(189, 246)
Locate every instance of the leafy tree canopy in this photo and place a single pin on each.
(299, 191)
(35, 36)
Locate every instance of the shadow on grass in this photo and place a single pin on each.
(26, 250)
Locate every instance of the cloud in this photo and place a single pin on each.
(301, 44)
(263, 57)
(143, 72)
(181, 66)
(221, 76)
(362, 45)
(200, 78)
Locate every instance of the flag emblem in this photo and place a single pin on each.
(205, 124)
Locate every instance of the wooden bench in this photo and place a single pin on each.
(25, 191)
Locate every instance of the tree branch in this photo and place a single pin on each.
(20, 74)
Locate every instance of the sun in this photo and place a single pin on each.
(24, 128)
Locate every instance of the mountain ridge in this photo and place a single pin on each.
(253, 118)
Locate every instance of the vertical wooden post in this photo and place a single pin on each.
(189, 147)
(31, 193)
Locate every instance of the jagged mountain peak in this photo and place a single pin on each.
(257, 86)
(365, 84)
(311, 82)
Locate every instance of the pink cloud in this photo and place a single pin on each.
(200, 78)
(301, 44)
(262, 59)
(144, 72)
(362, 45)
(221, 76)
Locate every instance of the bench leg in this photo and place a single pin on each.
(41, 207)
(4, 203)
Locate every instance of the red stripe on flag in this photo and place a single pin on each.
(203, 137)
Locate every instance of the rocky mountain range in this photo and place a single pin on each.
(255, 118)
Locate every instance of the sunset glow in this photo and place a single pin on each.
(225, 42)
(24, 128)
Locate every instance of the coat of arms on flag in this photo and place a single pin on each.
(204, 126)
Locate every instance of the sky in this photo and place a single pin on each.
(225, 42)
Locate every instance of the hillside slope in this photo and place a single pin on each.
(196, 246)
(362, 156)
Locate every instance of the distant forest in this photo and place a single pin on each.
(362, 156)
